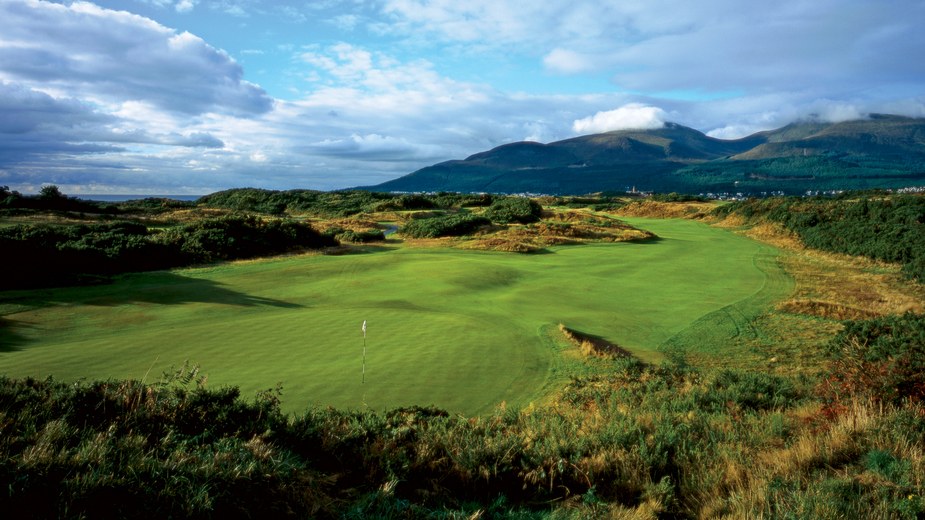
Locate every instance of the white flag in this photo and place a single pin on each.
(364, 328)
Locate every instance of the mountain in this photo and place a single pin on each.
(882, 151)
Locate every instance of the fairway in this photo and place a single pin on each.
(463, 330)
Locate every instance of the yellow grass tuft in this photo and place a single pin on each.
(824, 309)
(655, 209)
(592, 345)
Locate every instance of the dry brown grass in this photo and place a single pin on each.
(812, 450)
(507, 244)
(592, 345)
(655, 209)
(192, 214)
(840, 287)
(835, 286)
(47, 218)
(352, 224)
(558, 227)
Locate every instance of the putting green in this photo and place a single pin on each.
(463, 330)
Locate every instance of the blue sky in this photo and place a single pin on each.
(193, 96)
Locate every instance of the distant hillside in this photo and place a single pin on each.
(882, 151)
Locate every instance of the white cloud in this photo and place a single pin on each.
(709, 45)
(838, 112)
(352, 79)
(346, 22)
(631, 116)
(115, 56)
(185, 6)
(375, 147)
(94, 97)
(568, 62)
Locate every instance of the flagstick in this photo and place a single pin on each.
(363, 328)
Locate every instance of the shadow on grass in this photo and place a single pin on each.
(363, 249)
(597, 344)
(168, 288)
(644, 241)
(10, 340)
(158, 288)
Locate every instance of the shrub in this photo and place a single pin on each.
(361, 237)
(881, 359)
(514, 209)
(448, 225)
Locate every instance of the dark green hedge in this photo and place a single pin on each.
(442, 226)
(514, 209)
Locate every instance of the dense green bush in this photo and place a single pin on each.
(50, 199)
(360, 237)
(677, 197)
(233, 237)
(442, 226)
(406, 203)
(881, 359)
(514, 209)
(319, 203)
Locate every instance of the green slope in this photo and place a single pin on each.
(464, 330)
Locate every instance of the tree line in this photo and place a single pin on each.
(330, 204)
(39, 255)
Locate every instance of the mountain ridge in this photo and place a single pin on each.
(882, 151)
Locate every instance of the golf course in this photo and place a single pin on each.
(462, 330)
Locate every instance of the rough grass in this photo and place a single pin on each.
(656, 209)
(557, 227)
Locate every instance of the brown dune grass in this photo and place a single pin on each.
(655, 209)
(557, 227)
(593, 345)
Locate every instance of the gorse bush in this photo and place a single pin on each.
(502, 210)
(882, 359)
(667, 440)
(445, 225)
(514, 209)
(233, 237)
(49, 199)
(891, 229)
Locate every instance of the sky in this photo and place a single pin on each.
(195, 96)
